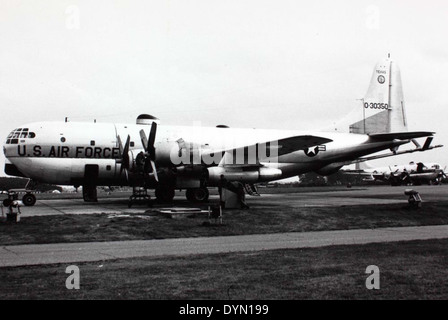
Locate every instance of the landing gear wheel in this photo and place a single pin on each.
(164, 194)
(197, 194)
(189, 195)
(89, 193)
(29, 199)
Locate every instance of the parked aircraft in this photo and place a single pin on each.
(165, 158)
(412, 173)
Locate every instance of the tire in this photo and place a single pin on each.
(197, 195)
(29, 200)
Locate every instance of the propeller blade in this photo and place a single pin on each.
(152, 134)
(144, 140)
(120, 145)
(124, 155)
(126, 174)
(148, 145)
(152, 137)
(154, 170)
(150, 151)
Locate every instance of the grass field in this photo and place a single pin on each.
(408, 270)
(256, 220)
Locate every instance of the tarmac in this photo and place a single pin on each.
(36, 254)
(292, 197)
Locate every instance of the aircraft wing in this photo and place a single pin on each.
(292, 144)
(251, 155)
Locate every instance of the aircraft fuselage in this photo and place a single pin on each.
(58, 152)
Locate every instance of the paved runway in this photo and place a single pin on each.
(97, 251)
(299, 198)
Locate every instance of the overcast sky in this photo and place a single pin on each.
(264, 64)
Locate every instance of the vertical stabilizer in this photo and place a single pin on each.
(383, 104)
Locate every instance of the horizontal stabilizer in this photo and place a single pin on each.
(400, 135)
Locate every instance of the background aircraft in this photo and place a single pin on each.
(412, 173)
(161, 157)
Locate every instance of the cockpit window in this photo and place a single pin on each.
(22, 133)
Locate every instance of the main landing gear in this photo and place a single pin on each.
(89, 193)
(197, 194)
(164, 193)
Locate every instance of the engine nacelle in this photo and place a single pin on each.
(261, 174)
(329, 169)
(166, 152)
(178, 153)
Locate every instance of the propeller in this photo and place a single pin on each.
(150, 151)
(442, 173)
(124, 155)
(405, 176)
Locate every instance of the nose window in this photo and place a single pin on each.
(22, 133)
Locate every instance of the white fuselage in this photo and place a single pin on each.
(58, 152)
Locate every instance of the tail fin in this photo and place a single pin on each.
(383, 105)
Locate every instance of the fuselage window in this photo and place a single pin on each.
(92, 142)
